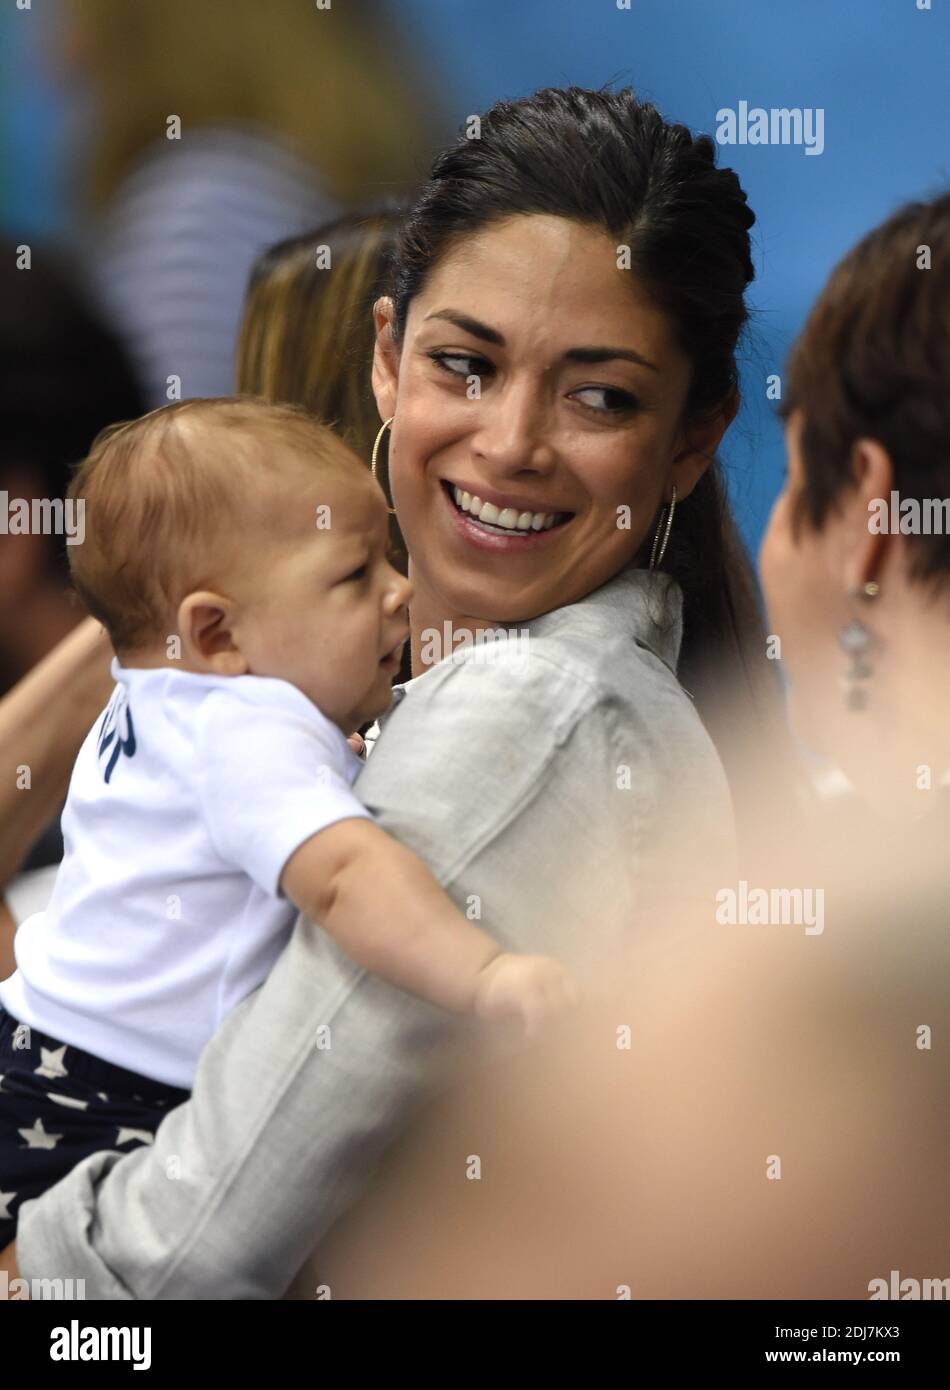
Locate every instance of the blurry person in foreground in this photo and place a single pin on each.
(757, 1106)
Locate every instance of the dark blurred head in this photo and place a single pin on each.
(63, 376)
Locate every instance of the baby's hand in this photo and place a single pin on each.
(527, 987)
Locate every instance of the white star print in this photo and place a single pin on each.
(125, 1136)
(37, 1138)
(51, 1063)
(5, 1213)
(68, 1100)
(102, 1095)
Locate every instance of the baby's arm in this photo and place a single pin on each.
(385, 909)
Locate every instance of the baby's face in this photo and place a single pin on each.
(330, 613)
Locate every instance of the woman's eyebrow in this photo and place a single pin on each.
(468, 325)
(579, 354)
(606, 354)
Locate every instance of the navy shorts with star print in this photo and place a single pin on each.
(57, 1106)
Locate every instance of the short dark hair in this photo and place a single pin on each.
(873, 361)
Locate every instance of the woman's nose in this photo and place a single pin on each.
(513, 431)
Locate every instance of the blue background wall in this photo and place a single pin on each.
(879, 68)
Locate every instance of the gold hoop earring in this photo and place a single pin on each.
(656, 559)
(382, 430)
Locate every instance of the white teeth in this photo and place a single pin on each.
(509, 519)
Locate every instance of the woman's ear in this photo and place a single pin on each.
(701, 440)
(385, 359)
(868, 533)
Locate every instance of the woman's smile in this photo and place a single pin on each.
(488, 525)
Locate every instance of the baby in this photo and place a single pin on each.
(236, 553)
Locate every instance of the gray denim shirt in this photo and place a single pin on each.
(541, 780)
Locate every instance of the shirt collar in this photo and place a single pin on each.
(647, 603)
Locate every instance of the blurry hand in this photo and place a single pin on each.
(531, 988)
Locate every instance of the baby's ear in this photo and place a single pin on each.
(207, 638)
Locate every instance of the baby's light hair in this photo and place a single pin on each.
(170, 498)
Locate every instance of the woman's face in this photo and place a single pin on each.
(535, 376)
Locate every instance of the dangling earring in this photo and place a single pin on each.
(656, 559)
(856, 640)
(382, 430)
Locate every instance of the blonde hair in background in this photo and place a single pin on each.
(334, 82)
(307, 333)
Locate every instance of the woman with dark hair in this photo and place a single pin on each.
(757, 1045)
(556, 365)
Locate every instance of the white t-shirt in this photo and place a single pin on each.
(188, 797)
